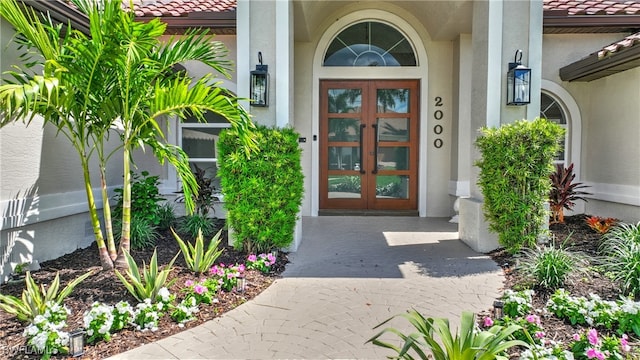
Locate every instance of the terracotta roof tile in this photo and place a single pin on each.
(623, 44)
(595, 7)
(178, 8)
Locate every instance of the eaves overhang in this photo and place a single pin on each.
(561, 22)
(597, 65)
(61, 12)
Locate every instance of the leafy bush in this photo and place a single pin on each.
(468, 343)
(204, 199)
(34, 299)
(263, 192)
(166, 216)
(197, 259)
(514, 178)
(145, 210)
(143, 233)
(551, 265)
(192, 224)
(621, 250)
(564, 192)
(148, 285)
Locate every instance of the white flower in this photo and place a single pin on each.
(39, 319)
(30, 331)
(164, 294)
(40, 340)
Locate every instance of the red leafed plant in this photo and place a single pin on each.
(564, 192)
(600, 224)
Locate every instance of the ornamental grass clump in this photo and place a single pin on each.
(621, 256)
(516, 162)
(550, 266)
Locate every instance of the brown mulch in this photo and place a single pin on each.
(574, 235)
(105, 287)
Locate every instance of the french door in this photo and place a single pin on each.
(369, 144)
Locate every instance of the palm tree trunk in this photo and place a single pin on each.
(125, 241)
(106, 209)
(105, 259)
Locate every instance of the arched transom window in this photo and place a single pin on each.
(370, 44)
(551, 110)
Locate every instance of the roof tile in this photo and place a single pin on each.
(595, 7)
(623, 44)
(178, 8)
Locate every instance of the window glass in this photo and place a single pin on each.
(370, 44)
(551, 110)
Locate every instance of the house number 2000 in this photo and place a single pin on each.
(438, 129)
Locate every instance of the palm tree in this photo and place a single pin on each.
(118, 77)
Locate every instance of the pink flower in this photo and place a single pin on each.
(263, 256)
(241, 268)
(188, 283)
(595, 354)
(488, 322)
(252, 258)
(624, 343)
(576, 337)
(231, 275)
(533, 319)
(271, 258)
(592, 335)
(199, 289)
(540, 334)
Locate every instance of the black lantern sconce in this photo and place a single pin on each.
(518, 82)
(260, 84)
(76, 343)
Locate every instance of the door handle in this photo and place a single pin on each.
(375, 149)
(362, 126)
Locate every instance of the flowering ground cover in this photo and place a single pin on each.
(102, 300)
(588, 314)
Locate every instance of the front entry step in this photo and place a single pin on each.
(350, 212)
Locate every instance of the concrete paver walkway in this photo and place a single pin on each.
(349, 274)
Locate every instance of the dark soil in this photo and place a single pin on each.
(105, 287)
(574, 235)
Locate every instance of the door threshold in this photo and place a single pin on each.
(352, 212)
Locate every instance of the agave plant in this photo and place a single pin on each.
(34, 299)
(469, 343)
(564, 192)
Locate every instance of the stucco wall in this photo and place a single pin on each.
(608, 110)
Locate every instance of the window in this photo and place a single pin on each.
(199, 141)
(370, 44)
(551, 110)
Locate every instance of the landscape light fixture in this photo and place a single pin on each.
(518, 82)
(76, 343)
(241, 284)
(259, 89)
(498, 309)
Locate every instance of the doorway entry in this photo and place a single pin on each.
(369, 144)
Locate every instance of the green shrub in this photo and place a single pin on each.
(551, 265)
(516, 162)
(147, 285)
(197, 258)
(621, 250)
(192, 224)
(166, 216)
(262, 193)
(143, 233)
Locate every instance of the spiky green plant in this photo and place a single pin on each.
(196, 257)
(435, 335)
(34, 299)
(550, 265)
(148, 284)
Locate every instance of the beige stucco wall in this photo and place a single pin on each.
(436, 81)
(608, 113)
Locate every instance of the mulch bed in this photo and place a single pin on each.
(105, 287)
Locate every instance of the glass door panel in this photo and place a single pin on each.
(368, 144)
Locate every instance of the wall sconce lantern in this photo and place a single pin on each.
(260, 84)
(76, 343)
(518, 82)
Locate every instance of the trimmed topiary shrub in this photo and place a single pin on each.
(516, 162)
(262, 190)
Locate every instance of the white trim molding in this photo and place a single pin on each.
(616, 193)
(460, 188)
(23, 211)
